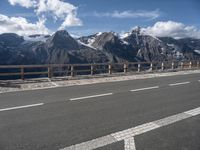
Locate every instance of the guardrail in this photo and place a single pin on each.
(51, 70)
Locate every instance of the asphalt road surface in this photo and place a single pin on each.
(146, 114)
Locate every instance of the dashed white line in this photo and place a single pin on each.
(147, 88)
(181, 83)
(20, 107)
(128, 134)
(92, 96)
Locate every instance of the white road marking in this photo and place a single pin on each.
(129, 144)
(20, 107)
(172, 119)
(128, 134)
(121, 135)
(147, 88)
(92, 96)
(181, 83)
(193, 112)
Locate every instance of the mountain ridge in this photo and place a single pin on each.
(61, 47)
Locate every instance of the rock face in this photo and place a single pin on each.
(148, 48)
(163, 48)
(188, 48)
(116, 49)
(100, 47)
(9, 45)
(62, 40)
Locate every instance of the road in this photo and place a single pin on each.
(94, 115)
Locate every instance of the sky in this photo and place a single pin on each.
(174, 18)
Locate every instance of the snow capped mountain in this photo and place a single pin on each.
(61, 47)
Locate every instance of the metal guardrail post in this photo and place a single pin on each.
(151, 66)
(72, 70)
(190, 66)
(139, 67)
(22, 73)
(172, 65)
(182, 63)
(125, 68)
(92, 69)
(197, 64)
(162, 66)
(49, 72)
(110, 69)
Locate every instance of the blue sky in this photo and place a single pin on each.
(90, 16)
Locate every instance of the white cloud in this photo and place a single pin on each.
(21, 26)
(70, 20)
(172, 29)
(23, 3)
(130, 14)
(58, 9)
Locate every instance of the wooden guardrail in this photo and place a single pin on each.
(51, 70)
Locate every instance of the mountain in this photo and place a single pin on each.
(10, 39)
(149, 48)
(9, 45)
(152, 48)
(62, 40)
(115, 48)
(61, 47)
(188, 48)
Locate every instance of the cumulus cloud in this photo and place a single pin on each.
(70, 20)
(23, 3)
(21, 26)
(172, 29)
(130, 14)
(58, 9)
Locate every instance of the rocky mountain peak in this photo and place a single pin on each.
(136, 30)
(11, 39)
(105, 39)
(62, 40)
(63, 33)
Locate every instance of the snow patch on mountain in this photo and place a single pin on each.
(124, 35)
(99, 33)
(125, 42)
(91, 41)
(88, 45)
(36, 38)
(178, 54)
(197, 51)
(156, 38)
(170, 45)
